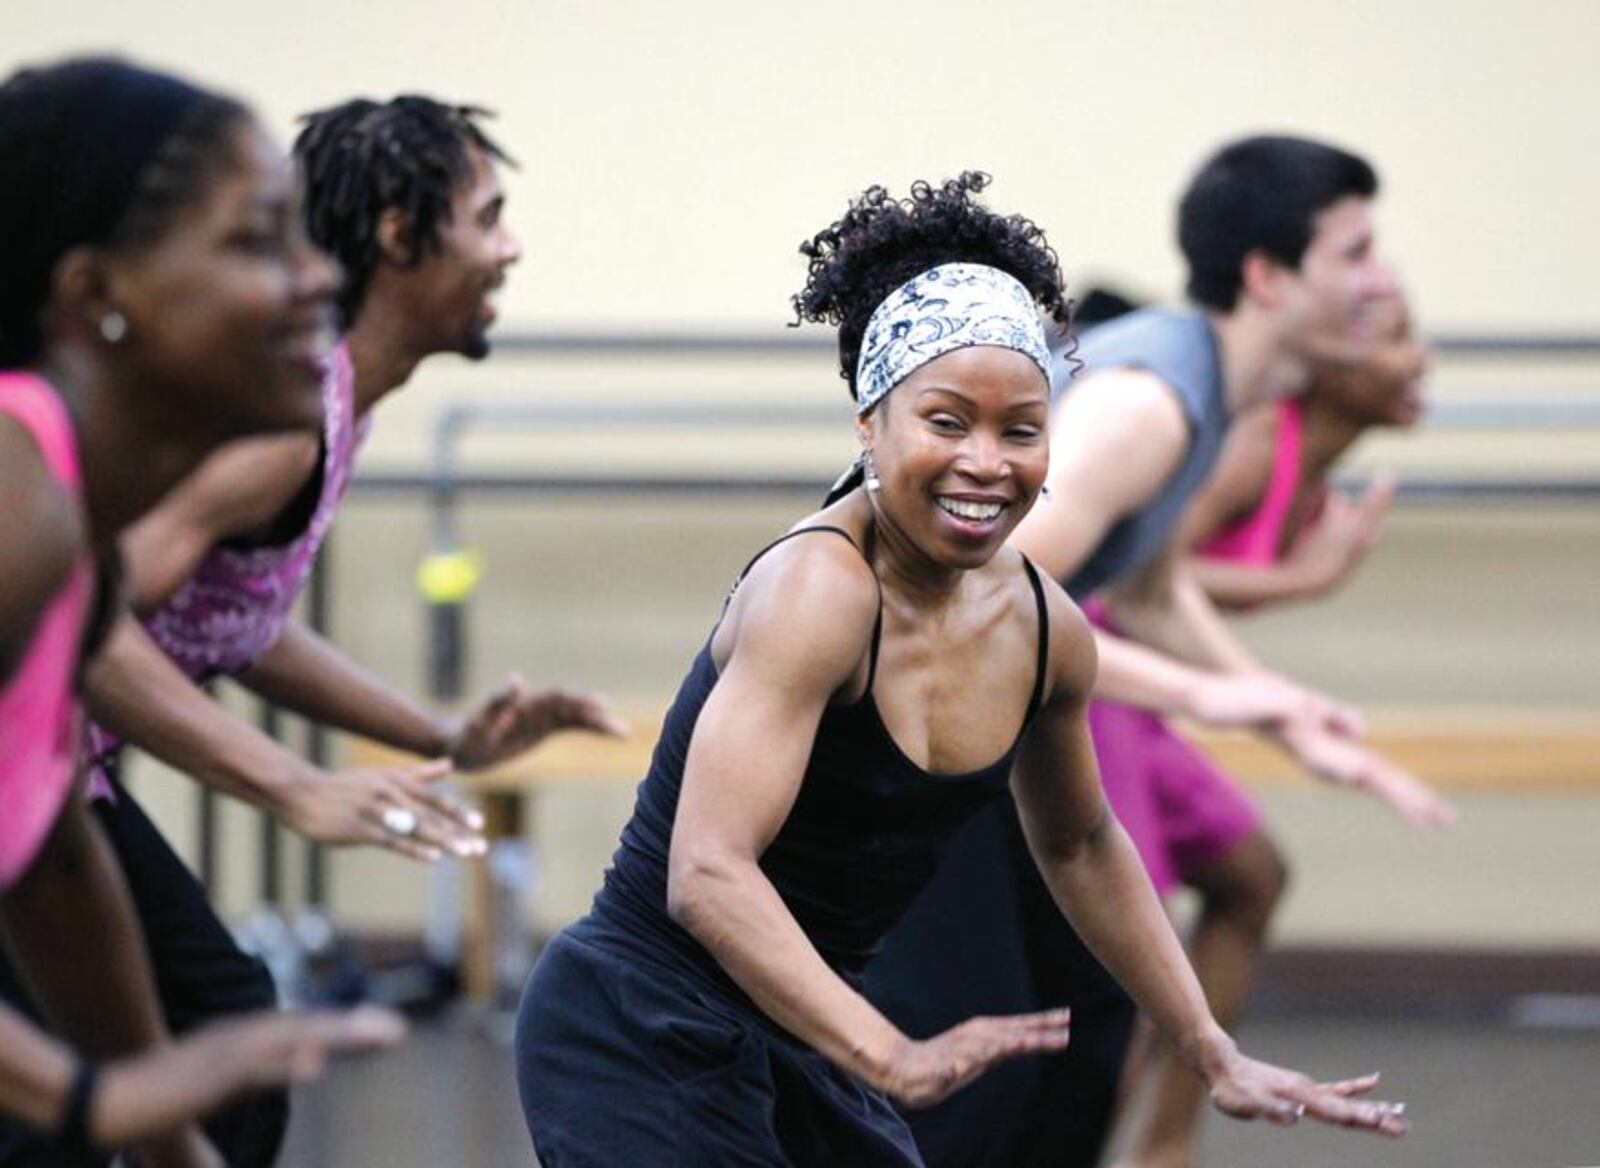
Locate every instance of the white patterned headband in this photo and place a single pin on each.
(952, 306)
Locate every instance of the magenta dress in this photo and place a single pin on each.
(38, 711)
(1181, 811)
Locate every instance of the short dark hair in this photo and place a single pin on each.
(61, 191)
(1260, 194)
(881, 242)
(362, 157)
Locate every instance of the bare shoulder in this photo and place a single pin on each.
(809, 604)
(1128, 398)
(1115, 438)
(41, 532)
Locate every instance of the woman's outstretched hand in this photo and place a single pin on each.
(1351, 764)
(156, 1092)
(519, 717)
(922, 1073)
(1246, 1088)
(359, 805)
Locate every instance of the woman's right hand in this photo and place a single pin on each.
(1246, 1088)
(145, 1099)
(923, 1073)
(358, 806)
(1350, 764)
(1335, 542)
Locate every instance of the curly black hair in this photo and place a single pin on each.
(881, 242)
(362, 157)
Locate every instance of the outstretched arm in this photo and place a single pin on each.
(303, 672)
(69, 925)
(1116, 438)
(239, 489)
(1094, 873)
(134, 690)
(1177, 656)
(1319, 561)
(35, 1073)
(151, 1094)
(1234, 490)
(197, 1074)
(1167, 608)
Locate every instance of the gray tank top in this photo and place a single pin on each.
(1178, 346)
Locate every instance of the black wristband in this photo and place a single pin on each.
(72, 1133)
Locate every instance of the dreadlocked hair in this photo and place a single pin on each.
(363, 157)
(881, 242)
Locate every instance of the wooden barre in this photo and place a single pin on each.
(1499, 751)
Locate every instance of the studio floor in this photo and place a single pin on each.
(1481, 1094)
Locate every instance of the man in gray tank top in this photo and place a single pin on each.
(1179, 348)
(1284, 277)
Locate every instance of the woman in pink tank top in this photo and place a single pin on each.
(157, 297)
(38, 719)
(1267, 530)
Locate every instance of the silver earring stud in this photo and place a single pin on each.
(869, 472)
(1046, 493)
(113, 327)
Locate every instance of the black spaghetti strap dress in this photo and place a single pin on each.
(635, 1049)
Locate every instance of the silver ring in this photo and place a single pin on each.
(398, 821)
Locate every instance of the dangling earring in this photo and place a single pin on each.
(869, 473)
(113, 327)
(1046, 493)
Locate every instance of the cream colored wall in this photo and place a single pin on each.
(674, 154)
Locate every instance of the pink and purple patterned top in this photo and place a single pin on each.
(232, 609)
(38, 708)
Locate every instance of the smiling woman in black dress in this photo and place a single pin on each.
(878, 674)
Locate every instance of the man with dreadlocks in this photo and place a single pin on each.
(405, 194)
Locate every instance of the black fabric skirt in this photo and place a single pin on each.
(625, 1062)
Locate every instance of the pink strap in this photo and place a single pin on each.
(39, 730)
(1255, 539)
(33, 403)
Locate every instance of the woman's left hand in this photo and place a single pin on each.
(1347, 763)
(1246, 1088)
(519, 717)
